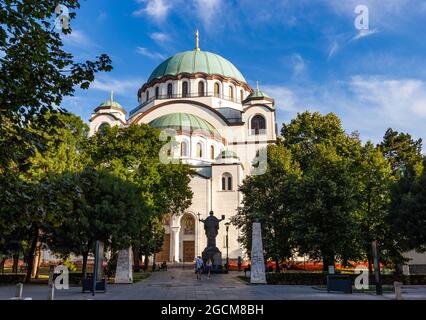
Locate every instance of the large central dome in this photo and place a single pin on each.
(197, 61)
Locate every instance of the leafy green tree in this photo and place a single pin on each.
(271, 199)
(35, 73)
(375, 179)
(133, 154)
(325, 225)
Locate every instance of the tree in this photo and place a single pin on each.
(375, 179)
(133, 154)
(271, 199)
(35, 73)
(325, 224)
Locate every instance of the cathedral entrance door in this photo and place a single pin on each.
(188, 251)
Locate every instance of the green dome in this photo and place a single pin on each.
(184, 122)
(196, 61)
(226, 154)
(258, 94)
(110, 103)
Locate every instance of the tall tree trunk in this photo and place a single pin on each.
(136, 259)
(370, 264)
(3, 261)
(327, 260)
(146, 262)
(277, 266)
(15, 263)
(30, 256)
(84, 267)
(37, 261)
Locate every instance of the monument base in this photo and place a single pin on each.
(214, 254)
(124, 272)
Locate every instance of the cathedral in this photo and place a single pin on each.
(221, 127)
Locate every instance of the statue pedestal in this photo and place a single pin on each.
(214, 254)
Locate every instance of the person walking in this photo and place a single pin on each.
(198, 267)
(209, 266)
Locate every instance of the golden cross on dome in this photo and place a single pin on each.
(197, 39)
(112, 96)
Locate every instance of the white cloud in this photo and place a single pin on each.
(333, 49)
(122, 87)
(155, 9)
(151, 54)
(209, 11)
(367, 104)
(77, 39)
(160, 37)
(298, 64)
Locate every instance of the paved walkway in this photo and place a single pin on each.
(181, 284)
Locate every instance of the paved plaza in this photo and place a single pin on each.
(181, 284)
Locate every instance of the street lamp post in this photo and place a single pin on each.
(227, 246)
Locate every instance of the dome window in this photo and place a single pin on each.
(241, 95)
(212, 152)
(258, 124)
(157, 92)
(201, 89)
(183, 149)
(169, 90)
(184, 89)
(216, 89)
(231, 93)
(147, 95)
(199, 150)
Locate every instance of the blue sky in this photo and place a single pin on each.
(307, 54)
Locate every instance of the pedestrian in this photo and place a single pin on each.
(198, 267)
(209, 267)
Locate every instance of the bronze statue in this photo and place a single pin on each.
(211, 227)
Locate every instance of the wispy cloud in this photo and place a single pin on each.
(298, 64)
(78, 39)
(155, 9)
(369, 104)
(209, 11)
(363, 34)
(119, 86)
(333, 49)
(151, 54)
(160, 37)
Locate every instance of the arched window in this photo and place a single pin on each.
(188, 224)
(241, 95)
(216, 89)
(147, 95)
(258, 124)
(226, 182)
(184, 89)
(231, 93)
(157, 92)
(201, 89)
(183, 149)
(199, 150)
(102, 127)
(212, 152)
(169, 90)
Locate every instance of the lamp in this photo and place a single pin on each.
(227, 245)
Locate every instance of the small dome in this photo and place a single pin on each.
(184, 122)
(196, 61)
(110, 103)
(227, 154)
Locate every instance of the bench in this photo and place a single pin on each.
(339, 283)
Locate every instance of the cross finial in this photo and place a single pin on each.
(111, 96)
(197, 39)
(257, 85)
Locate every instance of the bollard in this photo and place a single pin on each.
(19, 290)
(51, 284)
(398, 290)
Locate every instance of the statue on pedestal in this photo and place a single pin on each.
(211, 227)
